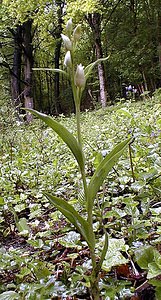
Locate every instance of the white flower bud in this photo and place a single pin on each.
(69, 26)
(79, 78)
(77, 33)
(67, 42)
(67, 59)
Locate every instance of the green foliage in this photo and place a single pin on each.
(72, 215)
(78, 77)
(66, 136)
(34, 159)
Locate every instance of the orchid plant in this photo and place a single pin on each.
(78, 76)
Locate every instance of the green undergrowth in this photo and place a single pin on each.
(41, 254)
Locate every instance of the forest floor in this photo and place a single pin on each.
(42, 256)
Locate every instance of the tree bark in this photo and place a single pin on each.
(28, 65)
(56, 33)
(159, 33)
(94, 21)
(16, 69)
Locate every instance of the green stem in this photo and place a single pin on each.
(81, 147)
(94, 275)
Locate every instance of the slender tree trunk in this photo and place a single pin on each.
(57, 77)
(56, 33)
(28, 65)
(159, 33)
(94, 21)
(16, 69)
(145, 81)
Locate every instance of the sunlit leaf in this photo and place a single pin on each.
(1, 201)
(89, 68)
(22, 226)
(70, 239)
(66, 136)
(103, 169)
(114, 256)
(10, 295)
(153, 270)
(53, 70)
(24, 272)
(124, 112)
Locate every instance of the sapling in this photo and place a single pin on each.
(78, 76)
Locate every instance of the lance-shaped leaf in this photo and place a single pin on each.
(89, 68)
(66, 136)
(73, 216)
(102, 170)
(53, 70)
(104, 250)
(103, 254)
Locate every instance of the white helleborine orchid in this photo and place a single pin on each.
(67, 59)
(77, 33)
(69, 26)
(67, 42)
(79, 78)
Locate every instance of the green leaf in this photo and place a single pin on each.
(24, 272)
(104, 252)
(153, 270)
(70, 240)
(89, 68)
(72, 215)
(114, 256)
(22, 226)
(66, 136)
(144, 256)
(50, 69)
(124, 112)
(10, 295)
(1, 201)
(103, 169)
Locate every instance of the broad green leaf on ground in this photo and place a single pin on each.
(149, 258)
(72, 215)
(153, 270)
(125, 112)
(66, 136)
(10, 295)
(114, 256)
(70, 239)
(22, 226)
(1, 201)
(144, 255)
(103, 169)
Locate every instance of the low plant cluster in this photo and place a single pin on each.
(87, 225)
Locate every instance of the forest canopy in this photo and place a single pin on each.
(80, 184)
(128, 31)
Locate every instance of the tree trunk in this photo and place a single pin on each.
(94, 21)
(57, 77)
(56, 33)
(28, 65)
(16, 69)
(159, 34)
